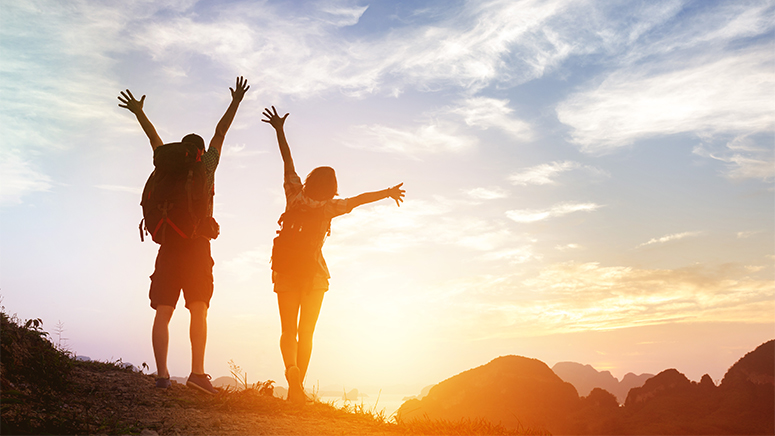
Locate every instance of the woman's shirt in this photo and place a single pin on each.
(295, 197)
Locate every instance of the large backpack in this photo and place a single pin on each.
(295, 248)
(176, 199)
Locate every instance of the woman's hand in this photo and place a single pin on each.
(275, 120)
(396, 193)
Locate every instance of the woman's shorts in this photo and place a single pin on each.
(285, 283)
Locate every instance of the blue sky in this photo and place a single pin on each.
(586, 181)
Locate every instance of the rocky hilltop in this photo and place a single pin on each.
(519, 392)
(744, 402)
(510, 390)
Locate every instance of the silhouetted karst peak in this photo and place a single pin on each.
(667, 380)
(756, 367)
(600, 398)
(706, 382)
(510, 390)
(514, 390)
(585, 378)
(744, 402)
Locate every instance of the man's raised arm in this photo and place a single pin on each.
(136, 107)
(225, 122)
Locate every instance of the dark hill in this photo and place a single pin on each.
(510, 390)
(585, 378)
(755, 367)
(747, 392)
(744, 403)
(515, 390)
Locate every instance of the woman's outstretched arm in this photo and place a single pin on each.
(396, 193)
(278, 122)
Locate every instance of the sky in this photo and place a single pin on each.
(585, 181)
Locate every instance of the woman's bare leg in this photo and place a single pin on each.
(289, 303)
(310, 310)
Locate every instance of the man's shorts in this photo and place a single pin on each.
(185, 265)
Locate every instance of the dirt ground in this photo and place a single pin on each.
(110, 401)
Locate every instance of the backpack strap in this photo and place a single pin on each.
(190, 196)
(142, 239)
(165, 220)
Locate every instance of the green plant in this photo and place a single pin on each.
(238, 376)
(265, 388)
(33, 375)
(29, 357)
(59, 330)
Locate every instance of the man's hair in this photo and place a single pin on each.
(321, 184)
(195, 139)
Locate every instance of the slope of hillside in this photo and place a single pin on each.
(103, 398)
(45, 391)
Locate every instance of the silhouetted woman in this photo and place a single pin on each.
(300, 295)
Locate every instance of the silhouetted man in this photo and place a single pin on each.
(185, 263)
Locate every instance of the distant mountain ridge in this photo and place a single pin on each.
(585, 378)
(517, 391)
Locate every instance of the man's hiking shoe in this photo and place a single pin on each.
(201, 382)
(163, 383)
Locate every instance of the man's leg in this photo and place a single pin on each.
(197, 272)
(160, 337)
(198, 335)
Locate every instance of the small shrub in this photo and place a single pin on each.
(28, 359)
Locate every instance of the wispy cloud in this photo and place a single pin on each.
(19, 178)
(307, 53)
(746, 158)
(547, 174)
(492, 193)
(668, 238)
(513, 256)
(747, 234)
(242, 150)
(442, 131)
(558, 210)
(342, 14)
(426, 139)
(587, 295)
(55, 71)
(542, 174)
(574, 296)
(419, 223)
(484, 113)
(55, 79)
(693, 76)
